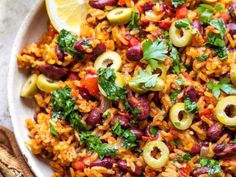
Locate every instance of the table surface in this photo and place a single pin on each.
(12, 14)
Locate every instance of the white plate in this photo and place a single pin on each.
(32, 28)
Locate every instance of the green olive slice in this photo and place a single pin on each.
(209, 1)
(30, 87)
(180, 37)
(119, 16)
(220, 108)
(47, 85)
(160, 85)
(233, 74)
(108, 59)
(150, 160)
(161, 70)
(186, 120)
(137, 88)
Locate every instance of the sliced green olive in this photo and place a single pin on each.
(47, 85)
(233, 74)
(160, 85)
(137, 88)
(209, 1)
(180, 37)
(119, 16)
(220, 111)
(175, 113)
(108, 59)
(30, 87)
(150, 160)
(161, 69)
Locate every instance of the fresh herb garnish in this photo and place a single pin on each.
(66, 41)
(53, 130)
(221, 52)
(174, 55)
(185, 158)
(130, 137)
(180, 81)
(202, 57)
(64, 108)
(174, 95)
(206, 13)
(86, 43)
(183, 23)
(219, 8)
(176, 142)
(223, 85)
(189, 106)
(145, 78)
(134, 21)
(154, 51)
(177, 3)
(213, 165)
(93, 143)
(153, 130)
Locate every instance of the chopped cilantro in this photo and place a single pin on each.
(174, 55)
(206, 13)
(134, 21)
(183, 23)
(153, 130)
(174, 95)
(176, 142)
(180, 81)
(53, 130)
(223, 85)
(202, 57)
(189, 106)
(219, 8)
(154, 51)
(135, 112)
(93, 143)
(219, 25)
(185, 158)
(86, 43)
(213, 165)
(145, 78)
(177, 3)
(221, 52)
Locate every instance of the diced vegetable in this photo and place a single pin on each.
(30, 87)
(47, 85)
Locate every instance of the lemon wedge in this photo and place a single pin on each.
(67, 14)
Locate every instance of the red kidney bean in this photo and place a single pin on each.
(191, 92)
(141, 103)
(232, 28)
(101, 4)
(195, 149)
(137, 132)
(124, 122)
(168, 10)
(85, 93)
(135, 53)
(53, 72)
(94, 117)
(148, 6)
(99, 49)
(106, 162)
(225, 150)
(59, 53)
(123, 166)
(232, 10)
(82, 48)
(197, 25)
(214, 132)
(200, 171)
(205, 143)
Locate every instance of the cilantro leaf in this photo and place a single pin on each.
(53, 130)
(134, 21)
(213, 165)
(206, 12)
(93, 143)
(117, 128)
(174, 55)
(177, 3)
(221, 52)
(219, 25)
(66, 41)
(174, 95)
(185, 158)
(180, 81)
(219, 8)
(183, 23)
(153, 130)
(202, 57)
(189, 106)
(154, 51)
(146, 78)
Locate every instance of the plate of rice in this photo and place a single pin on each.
(126, 88)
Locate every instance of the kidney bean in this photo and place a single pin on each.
(53, 72)
(205, 143)
(135, 53)
(59, 53)
(195, 149)
(232, 10)
(168, 10)
(200, 171)
(214, 132)
(84, 93)
(94, 117)
(137, 132)
(232, 28)
(141, 103)
(197, 25)
(101, 4)
(107, 162)
(82, 48)
(99, 49)
(124, 122)
(148, 6)
(123, 166)
(191, 92)
(225, 150)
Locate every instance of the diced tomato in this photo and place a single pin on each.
(134, 41)
(207, 112)
(181, 12)
(165, 24)
(185, 171)
(78, 165)
(90, 82)
(148, 138)
(225, 16)
(121, 2)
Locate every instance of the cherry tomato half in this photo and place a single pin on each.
(90, 82)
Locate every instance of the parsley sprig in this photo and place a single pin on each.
(177, 3)
(134, 21)
(223, 85)
(213, 165)
(190, 106)
(174, 55)
(145, 78)
(183, 23)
